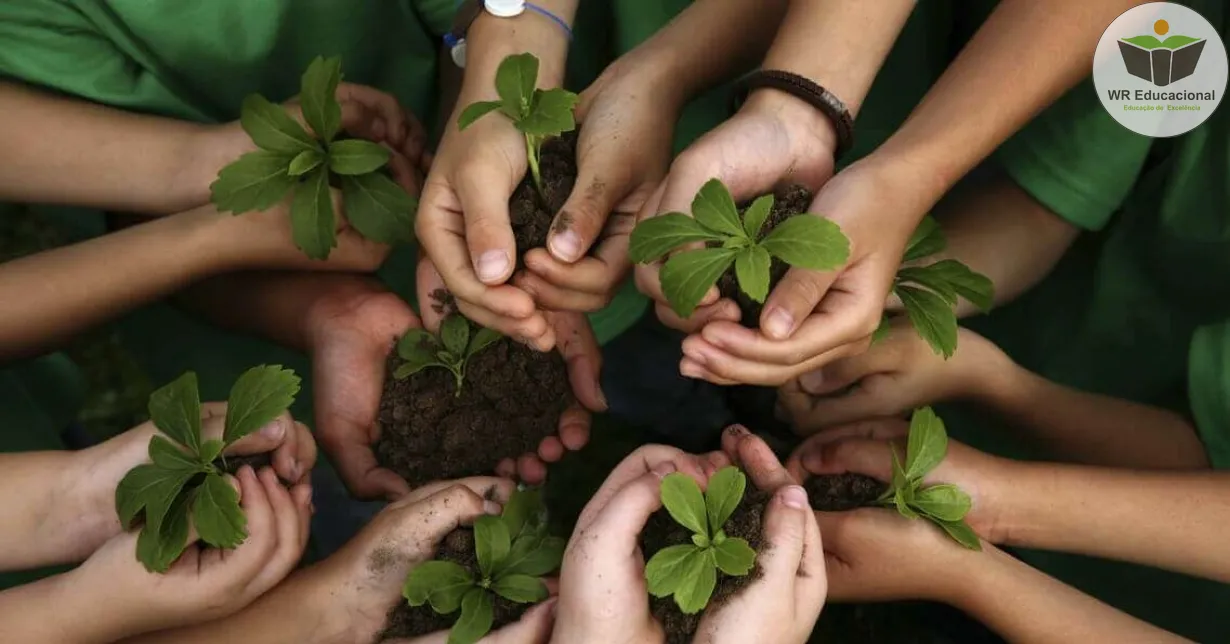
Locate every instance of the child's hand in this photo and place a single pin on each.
(894, 376)
(114, 592)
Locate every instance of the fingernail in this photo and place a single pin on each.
(492, 265)
(690, 370)
(274, 431)
(737, 430)
(696, 356)
(566, 245)
(492, 508)
(794, 496)
(778, 324)
(296, 470)
(812, 381)
(661, 470)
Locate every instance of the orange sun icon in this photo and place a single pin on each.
(1161, 27)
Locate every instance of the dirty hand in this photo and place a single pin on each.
(896, 375)
(864, 448)
(603, 596)
(626, 120)
(774, 140)
(114, 592)
(812, 318)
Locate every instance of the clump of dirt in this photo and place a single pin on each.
(531, 214)
(792, 201)
(840, 492)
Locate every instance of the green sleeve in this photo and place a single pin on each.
(437, 14)
(1209, 390)
(1075, 159)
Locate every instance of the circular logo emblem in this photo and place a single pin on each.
(1160, 69)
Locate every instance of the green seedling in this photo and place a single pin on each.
(803, 241)
(292, 160)
(945, 504)
(539, 114)
(513, 553)
(183, 482)
(930, 293)
(455, 346)
(689, 571)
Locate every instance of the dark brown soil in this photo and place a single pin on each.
(662, 531)
(232, 464)
(791, 201)
(405, 621)
(841, 492)
(512, 397)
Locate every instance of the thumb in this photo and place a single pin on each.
(598, 190)
(859, 456)
(617, 526)
(793, 300)
(785, 529)
(421, 526)
(266, 439)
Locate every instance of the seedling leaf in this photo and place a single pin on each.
(210, 450)
(259, 396)
(686, 277)
(752, 270)
(311, 216)
(166, 455)
(522, 589)
(808, 241)
(944, 502)
(902, 501)
(683, 500)
(158, 547)
(734, 557)
(318, 97)
(305, 162)
(932, 317)
(928, 239)
(515, 80)
(175, 410)
(482, 339)
(715, 209)
(533, 556)
(900, 480)
(255, 182)
(756, 215)
(491, 543)
(665, 569)
(134, 490)
(455, 334)
(477, 613)
(272, 129)
(951, 278)
(722, 496)
(356, 156)
(441, 582)
(476, 111)
(551, 113)
(379, 208)
(417, 345)
(925, 277)
(927, 445)
(522, 508)
(655, 237)
(216, 513)
(962, 533)
(698, 582)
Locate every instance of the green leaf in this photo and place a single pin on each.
(697, 584)
(475, 111)
(175, 410)
(756, 214)
(683, 500)
(882, 331)
(657, 236)
(551, 114)
(166, 455)
(931, 317)
(700, 540)
(924, 277)
(378, 208)
(216, 514)
(686, 277)
(477, 613)
(256, 181)
(491, 543)
(442, 582)
(305, 162)
(515, 80)
(533, 556)
(715, 209)
(356, 156)
(962, 533)
(901, 499)
(900, 480)
(945, 502)
(159, 546)
(665, 569)
(752, 270)
(928, 239)
(144, 483)
(523, 508)
(417, 345)
(950, 276)
(723, 495)
(734, 557)
(318, 97)
(272, 129)
(210, 450)
(410, 368)
(455, 334)
(260, 395)
(928, 443)
(522, 589)
(311, 216)
(482, 339)
(808, 241)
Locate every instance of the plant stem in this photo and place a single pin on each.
(460, 376)
(531, 155)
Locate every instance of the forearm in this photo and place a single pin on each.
(490, 39)
(77, 153)
(1170, 520)
(48, 612)
(1093, 429)
(1021, 604)
(30, 484)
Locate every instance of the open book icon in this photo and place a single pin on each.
(1161, 62)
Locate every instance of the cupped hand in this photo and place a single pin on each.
(775, 140)
(603, 595)
(896, 375)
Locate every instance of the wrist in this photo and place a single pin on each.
(993, 377)
(204, 151)
(812, 133)
(491, 39)
(94, 474)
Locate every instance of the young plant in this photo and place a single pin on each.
(183, 480)
(802, 241)
(292, 160)
(513, 553)
(929, 293)
(539, 114)
(945, 504)
(455, 346)
(689, 571)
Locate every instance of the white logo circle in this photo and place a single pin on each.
(1160, 69)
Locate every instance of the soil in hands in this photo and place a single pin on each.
(841, 492)
(512, 397)
(405, 621)
(790, 202)
(662, 531)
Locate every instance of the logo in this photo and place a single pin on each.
(1160, 45)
